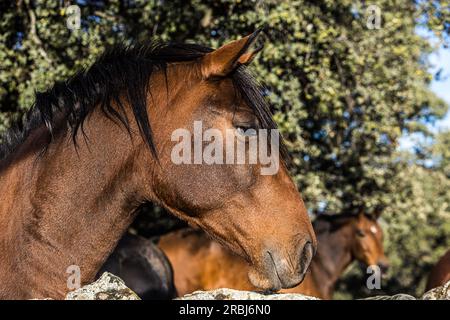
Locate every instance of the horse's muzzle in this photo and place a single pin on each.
(283, 272)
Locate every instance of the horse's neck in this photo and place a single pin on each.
(332, 258)
(67, 207)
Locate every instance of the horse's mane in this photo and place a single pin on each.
(120, 73)
(325, 223)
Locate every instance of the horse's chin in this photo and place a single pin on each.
(263, 282)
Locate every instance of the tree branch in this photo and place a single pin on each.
(34, 36)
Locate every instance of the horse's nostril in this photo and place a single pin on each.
(306, 256)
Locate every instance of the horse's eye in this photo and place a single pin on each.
(246, 131)
(360, 233)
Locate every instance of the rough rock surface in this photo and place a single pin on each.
(107, 287)
(110, 287)
(400, 296)
(439, 293)
(231, 294)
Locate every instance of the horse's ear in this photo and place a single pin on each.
(377, 213)
(378, 210)
(221, 62)
(361, 213)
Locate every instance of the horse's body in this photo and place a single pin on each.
(93, 148)
(143, 267)
(200, 263)
(440, 273)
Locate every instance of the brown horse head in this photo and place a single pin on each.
(367, 246)
(81, 167)
(261, 217)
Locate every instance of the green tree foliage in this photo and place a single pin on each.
(343, 88)
(441, 152)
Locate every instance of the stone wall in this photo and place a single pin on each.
(110, 287)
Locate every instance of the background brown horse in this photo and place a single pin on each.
(200, 263)
(72, 176)
(440, 273)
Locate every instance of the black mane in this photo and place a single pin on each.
(325, 223)
(122, 72)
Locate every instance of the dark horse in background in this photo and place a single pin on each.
(95, 147)
(143, 267)
(200, 263)
(440, 273)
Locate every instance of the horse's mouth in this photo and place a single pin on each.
(269, 279)
(275, 268)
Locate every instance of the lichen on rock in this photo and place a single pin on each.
(400, 296)
(439, 293)
(231, 294)
(107, 287)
